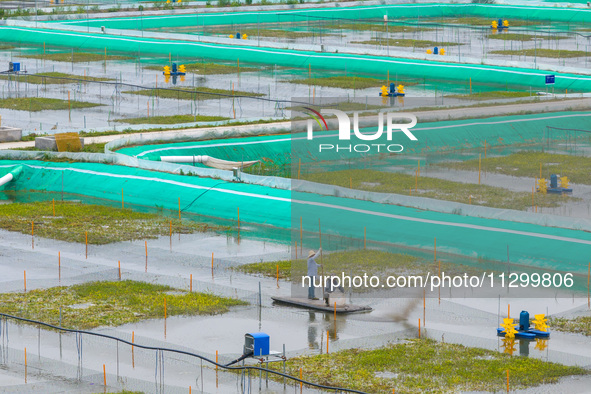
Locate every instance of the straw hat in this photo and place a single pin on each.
(311, 253)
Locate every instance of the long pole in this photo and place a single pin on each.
(320, 237)
(479, 166)
(507, 380)
(301, 236)
(435, 249)
(387, 38)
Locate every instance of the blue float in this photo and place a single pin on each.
(529, 334)
(391, 93)
(554, 188)
(524, 329)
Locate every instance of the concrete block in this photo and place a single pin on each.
(8, 134)
(45, 143)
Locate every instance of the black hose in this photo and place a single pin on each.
(240, 359)
(178, 351)
(196, 198)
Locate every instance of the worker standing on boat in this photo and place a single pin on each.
(312, 272)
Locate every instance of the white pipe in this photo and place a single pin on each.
(209, 161)
(11, 175)
(184, 159)
(6, 178)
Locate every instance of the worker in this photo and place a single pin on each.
(312, 272)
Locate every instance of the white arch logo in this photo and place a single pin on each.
(345, 125)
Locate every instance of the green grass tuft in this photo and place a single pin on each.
(579, 325)
(523, 37)
(211, 68)
(406, 42)
(97, 304)
(35, 104)
(480, 21)
(343, 82)
(103, 224)
(490, 95)
(375, 27)
(542, 52)
(51, 78)
(252, 33)
(200, 93)
(78, 57)
(356, 262)
(421, 365)
(172, 119)
(390, 182)
(527, 164)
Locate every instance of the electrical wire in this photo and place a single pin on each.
(205, 191)
(178, 351)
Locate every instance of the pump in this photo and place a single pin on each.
(257, 346)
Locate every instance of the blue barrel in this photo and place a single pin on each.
(392, 88)
(436, 51)
(174, 68)
(524, 320)
(238, 36)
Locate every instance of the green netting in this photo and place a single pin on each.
(431, 70)
(486, 239)
(406, 11)
(530, 244)
(210, 197)
(432, 137)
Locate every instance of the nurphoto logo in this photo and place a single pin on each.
(344, 123)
